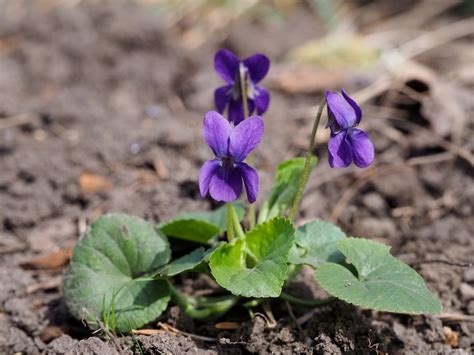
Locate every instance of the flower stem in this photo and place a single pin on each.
(305, 302)
(307, 164)
(230, 223)
(243, 92)
(235, 222)
(243, 89)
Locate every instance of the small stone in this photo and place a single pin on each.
(467, 291)
(135, 148)
(155, 111)
(399, 331)
(468, 275)
(375, 203)
(465, 343)
(470, 307)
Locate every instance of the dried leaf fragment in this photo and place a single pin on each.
(148, 331)
(227, 325)
(91, 183)
(50, 333)
(50, 261)
(450, 337)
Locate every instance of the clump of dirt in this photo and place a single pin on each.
(107, 108)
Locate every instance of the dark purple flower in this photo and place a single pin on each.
(228, 66)
(347, 143)
(222, 177)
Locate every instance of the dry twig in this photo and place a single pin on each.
(18, 120)
(441, 261)
(455, 317)
(172, 329)
(45, 285)
(292, 315)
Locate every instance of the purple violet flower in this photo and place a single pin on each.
(222, 177)
(228, 66)
(347, 143)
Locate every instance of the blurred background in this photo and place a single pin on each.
(101, 106)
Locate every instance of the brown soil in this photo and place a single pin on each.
(111, 104)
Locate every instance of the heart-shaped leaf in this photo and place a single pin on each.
(381, 282)
(255, 266)
(200, 227)
(316, 243)
(106, 273)
(284, 188)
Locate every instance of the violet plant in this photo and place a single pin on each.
(121, 273)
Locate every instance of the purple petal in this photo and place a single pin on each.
(205, 175)
(258, 66)
(250, 180)
(357, 109)
(245, 137)
(222, 97)
(343, 112)
(226, 64)
(362, 148)
(226, 184)
(216, 131)
(262, 99)
(340, 152)
(236, 110)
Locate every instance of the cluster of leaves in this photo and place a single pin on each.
(121, 270)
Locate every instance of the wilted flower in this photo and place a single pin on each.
(347, 143)
(228, 66)
(222, 177)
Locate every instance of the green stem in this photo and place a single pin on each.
(230, 224)
(304, 302)
(243, 92)
(307, 163)
(254, 303)
(200, 308)
(236, 223)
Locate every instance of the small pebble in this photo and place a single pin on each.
(468, 275)
(135, 148)
(375, 203)
(154, 111)
(470, 307)
(467, 291)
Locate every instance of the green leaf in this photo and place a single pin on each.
(255, 266)
(284, 188)
(185, 263)
(316, 243)
(200, 227)
(382, 282)
(107, 268)
(192, 230)
(217, 217)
